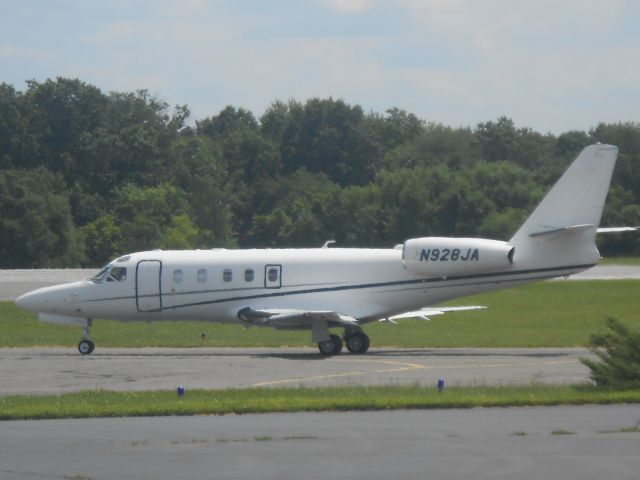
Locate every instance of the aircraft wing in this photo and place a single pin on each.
(425, 313)
(292, 318)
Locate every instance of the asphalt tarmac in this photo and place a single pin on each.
(586, 442)
(61, 370)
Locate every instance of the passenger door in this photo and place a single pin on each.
(148, 291)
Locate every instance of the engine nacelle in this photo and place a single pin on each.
(444, 257)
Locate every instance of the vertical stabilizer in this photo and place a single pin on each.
(562, 228)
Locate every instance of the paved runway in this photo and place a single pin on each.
(14, 283)
(57, 370)
(609, 272)
(556, 443)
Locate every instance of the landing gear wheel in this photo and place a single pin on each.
(85, 347)
(333, 346)
(358, 343)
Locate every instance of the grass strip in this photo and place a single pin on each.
(102, 403)
(548, 314)
(631, 261)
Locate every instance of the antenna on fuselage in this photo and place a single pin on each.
(327, 243)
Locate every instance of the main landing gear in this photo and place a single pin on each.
(356, 340)
(86, 346)
(357, 343)
(333, 346)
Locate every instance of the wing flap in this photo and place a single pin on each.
(292, 318)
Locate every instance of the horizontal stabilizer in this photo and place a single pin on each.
(555, 230)
(576, 228)
(616, 229)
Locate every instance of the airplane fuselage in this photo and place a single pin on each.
(213, 285)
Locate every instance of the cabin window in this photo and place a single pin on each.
(202, 275)
(248, 275)
(177, 276)
(272, 275)
(117, 274)
(227, 275)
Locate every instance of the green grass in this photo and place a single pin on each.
(549, 314)
(620, 261)
(238, 401)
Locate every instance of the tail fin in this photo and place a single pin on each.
(562, 228)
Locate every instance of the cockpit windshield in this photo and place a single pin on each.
(117, 274)
(100, 276)
(110, 274)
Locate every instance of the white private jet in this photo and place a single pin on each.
(321, 288)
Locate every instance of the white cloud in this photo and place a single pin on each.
(438, 84)
(546, 64)
(11, 52)
(8, 50)
(537, 62)
(349, 6)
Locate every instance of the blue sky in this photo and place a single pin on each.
(553, 66)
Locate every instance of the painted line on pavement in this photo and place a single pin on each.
(402, 367)
(399, 367)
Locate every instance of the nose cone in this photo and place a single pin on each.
(34, 301)
(56, 299)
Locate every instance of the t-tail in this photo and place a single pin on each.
(557, 239)
(562, 229)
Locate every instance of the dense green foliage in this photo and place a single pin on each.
(103, 403)
(86, 176)
(618, 353)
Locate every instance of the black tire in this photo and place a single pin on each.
(358, 343)
(86, 347)
(333, 346)
(337, 342)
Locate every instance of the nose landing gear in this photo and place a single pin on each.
(86, 346)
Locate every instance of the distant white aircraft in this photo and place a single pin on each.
(322, 288)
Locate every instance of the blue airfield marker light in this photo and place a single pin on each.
(441, 385)
(180, 391)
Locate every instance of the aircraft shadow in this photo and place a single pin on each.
(463, 353)
(412, 353)
(299, 355)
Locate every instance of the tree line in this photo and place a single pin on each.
(86, 176)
